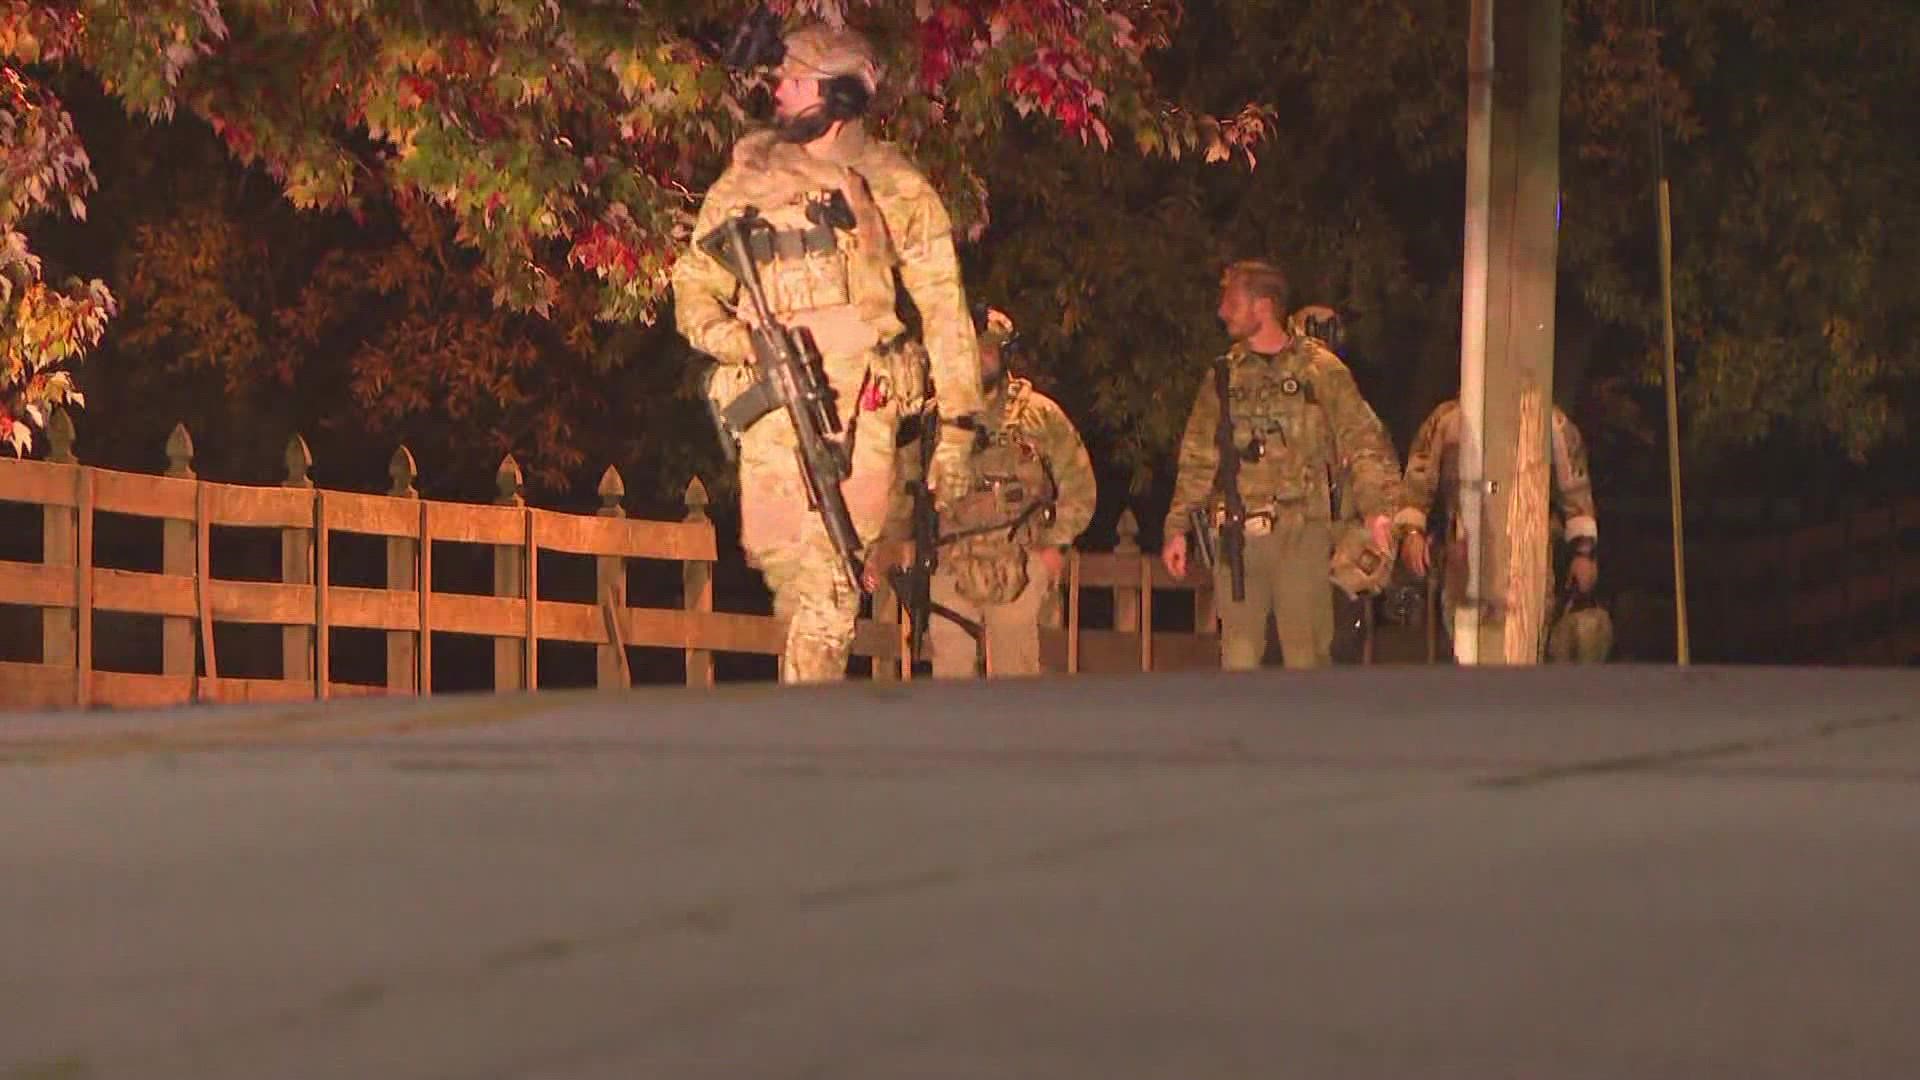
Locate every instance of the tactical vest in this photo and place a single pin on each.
(1282, 433)
(828, 245)
(986, 534)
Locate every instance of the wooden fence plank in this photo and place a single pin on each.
(43, 483)
(503, 526)
(531, 567)
(259, 507)
(631, 538)
(58, 538)
(696, 582)
(270, 602)
(322, 639)
(374, 515)
(563, 620)
(35, 686)
(1147, 564)
(393, 610)
(881, 641)
(50, 585)
(145, 496)
(133, 690)
(1112, 652)
(203, 580)
(724, 631)
(489, 616)
(425, 684)
(1108, 570)
(83, 588)
(137, 592)
(610, 605)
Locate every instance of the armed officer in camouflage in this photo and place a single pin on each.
(852, 220)
(1360, 571)
(1297, 420)
(1005, 542)
(1579, 629)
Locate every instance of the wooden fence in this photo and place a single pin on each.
(1845, 591)
(189, 599)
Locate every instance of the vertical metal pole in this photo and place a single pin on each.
(1682, 649)
(1473, 320)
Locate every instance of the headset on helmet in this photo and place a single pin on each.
(845, 97)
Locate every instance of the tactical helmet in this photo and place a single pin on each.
(1358, 567)
(1582, 636)
(820, 51)
(1319, 322)
(994, 327)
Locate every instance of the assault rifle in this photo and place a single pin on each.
(913, 583)
(788, 376)
(1232, 547)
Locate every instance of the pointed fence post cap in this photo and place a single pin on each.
(612, 489)
(510, 482)
(403, 471)
(179, 451)
(299, 461)
(60, 438)
(696, 500)
(1128, 531)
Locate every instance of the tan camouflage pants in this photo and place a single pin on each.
(1287, 579)
(784, 538)
(1012, 629)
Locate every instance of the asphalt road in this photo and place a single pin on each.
(1420, 873)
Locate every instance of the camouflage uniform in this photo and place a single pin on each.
(838, 284)
(1433, 477)
(1304, 407)
(995, 576)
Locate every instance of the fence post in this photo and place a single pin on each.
(296, 568)
(403, 573)
(177, 647)
(696, 584)
(1126, 598)
(509, 579)
(610, 587)
(58, 548)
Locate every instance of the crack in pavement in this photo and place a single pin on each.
(1657, 760)
(720, 916)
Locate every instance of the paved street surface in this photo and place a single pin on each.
(1398, 873)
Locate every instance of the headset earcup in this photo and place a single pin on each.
(846, 97)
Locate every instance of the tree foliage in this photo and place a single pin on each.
(1796, 252)
(559, 142)
(484, 198)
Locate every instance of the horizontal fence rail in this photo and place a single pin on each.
(189, 600)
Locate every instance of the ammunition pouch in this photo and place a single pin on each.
(988, 531)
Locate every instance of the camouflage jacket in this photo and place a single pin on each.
(1433, 473)
(1019, 413)
(1303, 406)
(838, 283)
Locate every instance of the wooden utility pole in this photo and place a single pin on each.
(1507, 316)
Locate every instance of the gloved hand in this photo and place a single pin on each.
(950, 474)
